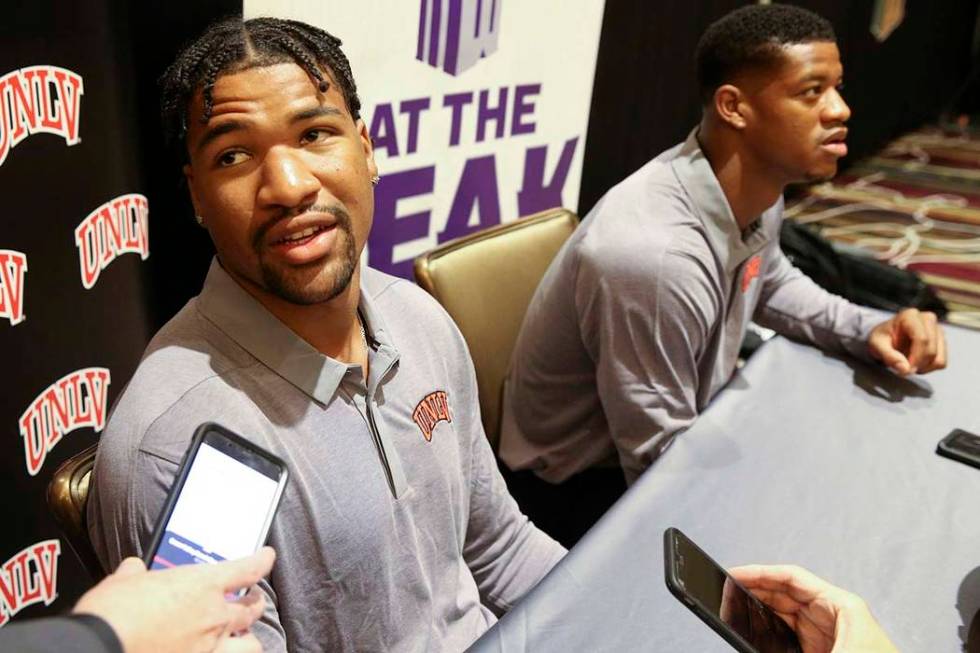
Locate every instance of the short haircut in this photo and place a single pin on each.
(752, 37)
(233, 45)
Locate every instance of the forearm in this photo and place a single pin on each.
(794, 305)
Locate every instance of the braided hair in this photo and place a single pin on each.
(233, 45)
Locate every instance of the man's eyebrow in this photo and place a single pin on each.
(219, 130)
(315, 112)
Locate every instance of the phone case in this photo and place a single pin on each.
(168, 507)
(962, 446)
(674, 585)
(677, 589)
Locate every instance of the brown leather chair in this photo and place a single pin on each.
(485, 282)
(67, 496)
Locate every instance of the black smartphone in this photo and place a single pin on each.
(222, 501)
(744, 621)
(962, 446)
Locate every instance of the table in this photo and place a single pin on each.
(804, 458)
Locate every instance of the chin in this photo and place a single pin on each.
(308, 289)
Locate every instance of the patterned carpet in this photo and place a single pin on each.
(916, 205)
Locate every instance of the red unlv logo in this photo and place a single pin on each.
(433, 408)
(29, 577)
(73, 402)
(119, 226)
(13, 265)
(38, 100)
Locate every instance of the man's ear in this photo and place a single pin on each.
(730, 106)
(368, 145)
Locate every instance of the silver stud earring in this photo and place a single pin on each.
(375, 179)
(200, 220)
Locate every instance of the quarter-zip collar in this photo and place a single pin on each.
(711, 206)
(246, 321)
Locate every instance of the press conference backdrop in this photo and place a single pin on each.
(478, 109)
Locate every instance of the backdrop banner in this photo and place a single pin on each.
(477, 108)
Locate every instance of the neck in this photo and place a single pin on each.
(331, 327)
(749, 187)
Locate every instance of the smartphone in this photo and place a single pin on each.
(720, 601)
(962, 446)
(222, 501)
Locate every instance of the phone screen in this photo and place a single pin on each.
(701, 579)
(224, 507)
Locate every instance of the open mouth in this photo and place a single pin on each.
(302, 236)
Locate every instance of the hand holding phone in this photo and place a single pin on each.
(222, 501)
(744, 621)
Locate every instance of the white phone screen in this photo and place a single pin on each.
(221, 513)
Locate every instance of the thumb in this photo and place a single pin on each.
(882, 348)
(129, 567)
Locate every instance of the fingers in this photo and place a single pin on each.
(883, 348)
(244, 644)
(233, 575)
(911, 342)
(938, 341)
(795, 582)
(129, 567)
(245, 611)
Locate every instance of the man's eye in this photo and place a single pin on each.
(813, 91)
(315, 136)
(231, 158)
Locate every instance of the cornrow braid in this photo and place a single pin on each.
(233, 45)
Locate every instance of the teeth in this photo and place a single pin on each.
(306, 233)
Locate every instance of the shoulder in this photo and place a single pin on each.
(188, 368)
(406, 309)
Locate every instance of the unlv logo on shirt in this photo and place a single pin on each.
(38, 100)
(29, 577)
(119, 226)
(752, 269)
(13, 265)
(433, 408)
(75, 401)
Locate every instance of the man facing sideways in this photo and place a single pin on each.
(637, 323)
(396, 531)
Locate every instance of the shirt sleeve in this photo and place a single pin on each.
(646, 324)
(795, 306)
(68, 634)
(506, 553)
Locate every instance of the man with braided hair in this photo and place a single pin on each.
(396, 531)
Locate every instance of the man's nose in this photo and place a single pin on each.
(836, 109)
(286, 179)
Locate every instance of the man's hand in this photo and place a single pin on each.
(910, 342)
(184, 609)
(826, 618)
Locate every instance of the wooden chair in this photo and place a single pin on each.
(67, 497)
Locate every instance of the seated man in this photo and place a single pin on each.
(396, 531)
(637, 323)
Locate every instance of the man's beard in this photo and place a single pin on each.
(305, 285)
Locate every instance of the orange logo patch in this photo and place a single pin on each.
(433, 408)
(752, 269)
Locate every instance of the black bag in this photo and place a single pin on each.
(860, 279)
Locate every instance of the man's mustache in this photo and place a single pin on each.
(338, 212)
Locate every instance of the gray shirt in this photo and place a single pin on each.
(396, 531)
(638, 322)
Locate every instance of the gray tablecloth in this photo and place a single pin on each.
(803, 458)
